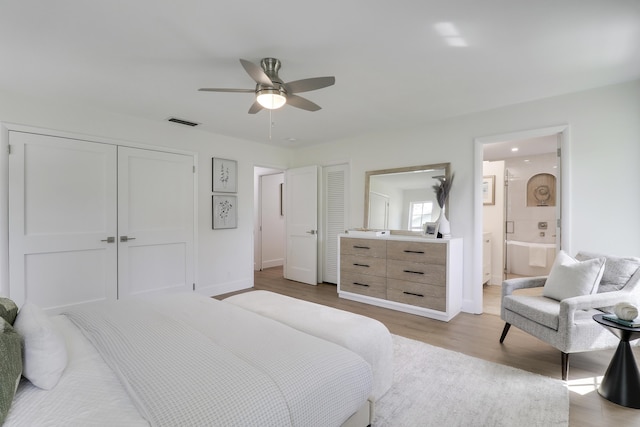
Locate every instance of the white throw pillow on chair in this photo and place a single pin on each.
(571, 278)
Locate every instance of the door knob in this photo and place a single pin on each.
(109, 240)
(311, 231)
(126, 238)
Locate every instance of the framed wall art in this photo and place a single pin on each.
(225, 211)
(488, 190)
(224, 174)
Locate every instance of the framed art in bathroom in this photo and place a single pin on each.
(488, 190)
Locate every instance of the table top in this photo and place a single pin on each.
(623, 332)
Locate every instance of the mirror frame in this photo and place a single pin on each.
(369, 174)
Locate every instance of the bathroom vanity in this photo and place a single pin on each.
(412, 274)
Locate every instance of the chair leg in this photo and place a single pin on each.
(504, 332)
(565, 365)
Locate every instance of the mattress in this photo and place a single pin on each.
(94, 392)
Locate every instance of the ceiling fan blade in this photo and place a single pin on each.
(255, 107)
(306, 85)
(214, 89)
(303, 103)
(256, 73)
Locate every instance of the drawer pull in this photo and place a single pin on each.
(413, 252)
(361, 284)
(361, 247)
(413, 272)
(360, 265)
(411, 293)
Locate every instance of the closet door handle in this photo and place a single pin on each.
(109, 240)
(126, 238)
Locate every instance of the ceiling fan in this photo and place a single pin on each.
(271, 92)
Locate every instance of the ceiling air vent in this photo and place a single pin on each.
(183, 122)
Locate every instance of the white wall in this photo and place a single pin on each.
(604, 142)
(225, 257)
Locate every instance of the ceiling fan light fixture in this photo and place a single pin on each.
(271, 99)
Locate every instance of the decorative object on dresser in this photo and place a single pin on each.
(411, 274)
(442, 194)
(431, 229)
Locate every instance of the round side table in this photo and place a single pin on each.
(621, 382)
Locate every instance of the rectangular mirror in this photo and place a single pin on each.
(402, 199)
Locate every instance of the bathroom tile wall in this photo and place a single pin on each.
(526, 218)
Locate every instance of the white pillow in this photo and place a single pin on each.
(45, 352)
(571, 278)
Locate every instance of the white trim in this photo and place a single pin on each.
(474, 305)
(93, 138)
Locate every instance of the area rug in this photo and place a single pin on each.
(437, 387)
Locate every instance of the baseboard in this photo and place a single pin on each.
(273, 263)
(224, 288)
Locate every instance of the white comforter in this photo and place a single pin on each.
(206, 362)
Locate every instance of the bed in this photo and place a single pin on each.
(185, 359)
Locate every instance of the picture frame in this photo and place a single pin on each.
(224, 175)
(430, 229)
(224, 210)
(488, 190)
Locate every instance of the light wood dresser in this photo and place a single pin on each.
(411, 274)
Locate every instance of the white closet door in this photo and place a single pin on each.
(155, 222)
(62, 211)
(335, 201)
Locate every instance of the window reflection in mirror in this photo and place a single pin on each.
(402, 198)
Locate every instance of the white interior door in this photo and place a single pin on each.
(301, 218)
(62, 221)
(155, 222)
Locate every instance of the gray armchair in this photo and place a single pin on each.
(568, 325)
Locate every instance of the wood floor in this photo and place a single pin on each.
(477, 335)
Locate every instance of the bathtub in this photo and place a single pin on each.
(530, 259)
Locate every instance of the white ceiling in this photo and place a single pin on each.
(393, 69)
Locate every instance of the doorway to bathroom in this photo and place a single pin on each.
(521, 201)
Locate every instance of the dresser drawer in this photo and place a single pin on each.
(363, 265)
(430, 253)
(363, 284)
(434, 274)
(418, 294)
(367, 247)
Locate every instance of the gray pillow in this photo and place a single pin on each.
(8, 310)
(617, 270)
(10, 366)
